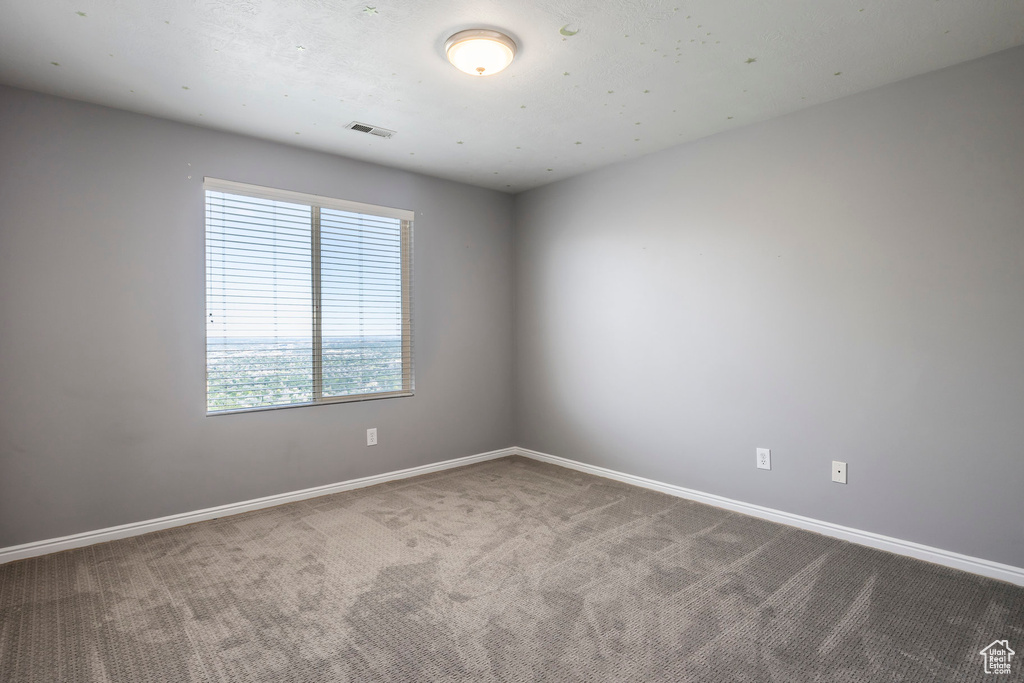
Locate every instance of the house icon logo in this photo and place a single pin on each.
(998, 656)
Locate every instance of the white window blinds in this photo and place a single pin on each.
(307, 299)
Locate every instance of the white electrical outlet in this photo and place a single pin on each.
(764, 459)
(838, 472)
(371, 436)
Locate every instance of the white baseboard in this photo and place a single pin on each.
(975, 565)
(995, 570)
(53, 545)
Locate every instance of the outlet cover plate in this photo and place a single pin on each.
(371, 436)
(838, 472)
(764, 458)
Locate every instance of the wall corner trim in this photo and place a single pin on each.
(54, 545)
(946, 558)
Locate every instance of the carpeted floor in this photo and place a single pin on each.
(508, 570)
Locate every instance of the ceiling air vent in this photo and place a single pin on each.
(372, 130)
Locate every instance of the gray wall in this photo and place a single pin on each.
(846, 283)
(102, 403)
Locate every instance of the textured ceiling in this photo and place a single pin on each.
(593, 83)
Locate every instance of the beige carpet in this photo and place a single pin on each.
(508, 570)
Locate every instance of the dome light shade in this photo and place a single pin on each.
(480, 52)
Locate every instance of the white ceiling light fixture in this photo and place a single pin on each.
(480, 52)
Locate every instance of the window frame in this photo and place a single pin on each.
(316, 203)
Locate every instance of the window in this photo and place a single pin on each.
(307, 299)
